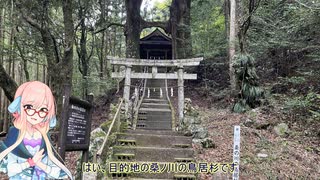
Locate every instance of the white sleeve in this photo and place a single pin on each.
(52, 169)
(14, 167)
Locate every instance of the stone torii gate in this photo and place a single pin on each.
(180, 75)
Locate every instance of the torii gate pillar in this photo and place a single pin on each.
(180, 94)
(126, 89)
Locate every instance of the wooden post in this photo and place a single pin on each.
(85, 153)
(64, 120)
(126, 89)
(180, 94)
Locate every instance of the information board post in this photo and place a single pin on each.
(75, 125)
(85, 153)
(64, 118)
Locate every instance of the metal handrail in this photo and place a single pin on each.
(115, 118)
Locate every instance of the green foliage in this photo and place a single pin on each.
(316, 114)
(296, 80)
(208, 28)
(157, 11)
(241, 106)
(308, 104)
(283, 25)
(301, 102)
(105, 126)
(247, 81)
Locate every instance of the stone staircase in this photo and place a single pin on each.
(155, 112)
(153, 141)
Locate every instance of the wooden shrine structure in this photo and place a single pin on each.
(156, 45)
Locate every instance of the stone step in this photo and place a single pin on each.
(154, 132)
(154, 140)
(155, 113)
(157, 97)
(155, 117)
(148, 104)
(155, 110)
(123, 156)
(155, 105)
(154, 125)
(155, 154)
(155, 100)
(126, 142)
(182, 145)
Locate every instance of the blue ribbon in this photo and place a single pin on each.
(53, 122)
(15, 105)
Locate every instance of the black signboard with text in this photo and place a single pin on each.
(78, 124)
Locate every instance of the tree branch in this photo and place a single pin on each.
(56, 49)
(161, 24)
(92, 47)
(306, 6)
(109, 25)
(24, 60)
(28, 19)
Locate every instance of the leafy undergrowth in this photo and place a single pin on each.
(294, 155)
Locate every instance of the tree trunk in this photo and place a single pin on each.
(82, 50)
(24, 61)
(1, 110)
(8, 84)
(180, 28)
(133, 28)
(1, 34)
(232, 47)
(226, 11)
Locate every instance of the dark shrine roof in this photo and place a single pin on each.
(156, 37)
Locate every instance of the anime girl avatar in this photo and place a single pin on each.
(27, 153)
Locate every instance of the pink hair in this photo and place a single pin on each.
(37, 94)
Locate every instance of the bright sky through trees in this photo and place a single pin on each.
(149, 3)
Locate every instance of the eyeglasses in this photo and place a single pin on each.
(41, 113)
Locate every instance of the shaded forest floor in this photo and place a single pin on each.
(293, 100)
(294, 156)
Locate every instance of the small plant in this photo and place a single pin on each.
(316, 112)
(296, 80)
(308, 104)
(250, 92)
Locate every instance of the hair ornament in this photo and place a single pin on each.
(14, 107)
(53, 122)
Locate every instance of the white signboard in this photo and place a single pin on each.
(236, 153)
